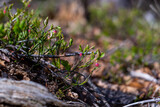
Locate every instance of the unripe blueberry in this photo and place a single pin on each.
(80, 54)
(54, 31)
(97, 64)
(4, 11)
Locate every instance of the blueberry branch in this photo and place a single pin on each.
(55, 56)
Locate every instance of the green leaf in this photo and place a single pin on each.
(86, 49)
(66, 65)
(102, 54)
(83, 66)
(80, 48)
(4, 3)
(58, 27)
(84, 82)
(22, 24)
(58, 63)
(51, 27)
(70, 42)
(92, 56)
(98, 53)
(10, 7)
(16, 26)
(1, 27)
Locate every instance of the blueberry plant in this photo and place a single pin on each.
(25, 34)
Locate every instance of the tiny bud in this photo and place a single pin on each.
(4, 11)
(97, 64)
(80, 54)
(29, 5)
(48, 37)
(29, 30)
(54, 31)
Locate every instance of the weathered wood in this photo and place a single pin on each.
(28, 94)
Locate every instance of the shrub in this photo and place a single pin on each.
(26, 34)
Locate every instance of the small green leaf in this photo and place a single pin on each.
(80, 48)
(70, 42)
(58, 27)
(1, 27)
(58, 63)
(98, 53)
(83, 66)
(102, 54)
(16, 26)
(83, 82)
(4, 3)
(51, 27)
(10, 7)
(22, 24)
(66, 65)
(86, 49)
(92, 56)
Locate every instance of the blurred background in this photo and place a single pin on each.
(126, 30)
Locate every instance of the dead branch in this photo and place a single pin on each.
(145, 76)
(144, 102)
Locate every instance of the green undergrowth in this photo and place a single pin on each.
(128, 24)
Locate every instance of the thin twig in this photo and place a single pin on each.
(143, 102)
(154, 9)
(16, 48)
(157, 5)
(25, 41)
(48, 63)
(157, 89)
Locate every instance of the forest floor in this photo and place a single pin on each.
(114, 84)
(118, 89)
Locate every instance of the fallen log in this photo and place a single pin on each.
(29, 94)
